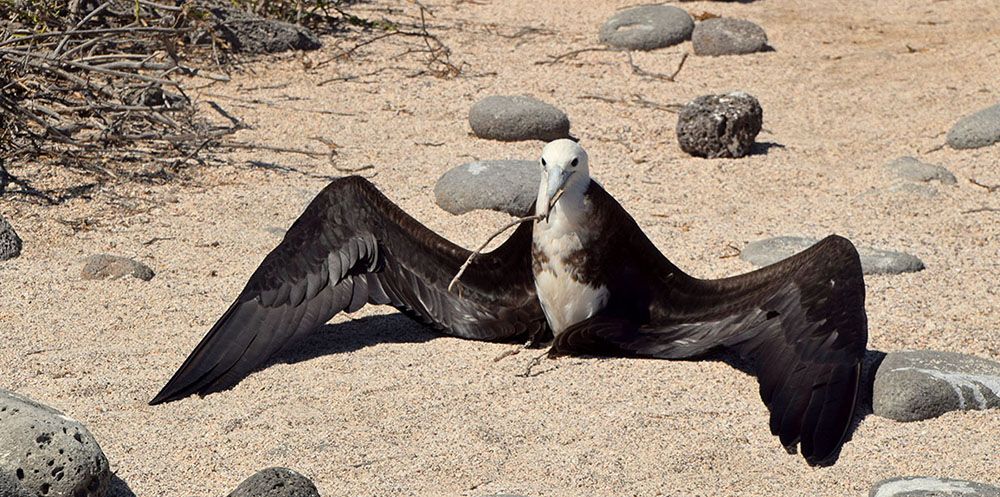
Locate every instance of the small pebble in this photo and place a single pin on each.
(106, 266)
(10, 243)
(911, 169)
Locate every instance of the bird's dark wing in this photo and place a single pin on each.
(353, 246)
(801, 322)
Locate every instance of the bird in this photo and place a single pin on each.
(582, 277)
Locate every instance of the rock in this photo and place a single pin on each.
(714, 126)
(647, 27)
(106, 266)
(873, 261)
(923, 486)
(517, 118)
(276, 482)
(924, 384)
(911, 169)
(249, 33)
(976, 130)
(727, 36)
(10, 486)
(918, 189)
(47, 452)
(276, 231)
(509, 186)
(10, 243)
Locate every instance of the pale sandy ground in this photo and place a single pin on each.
(379, 406)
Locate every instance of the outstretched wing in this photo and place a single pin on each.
(353, 246)
(801, 322)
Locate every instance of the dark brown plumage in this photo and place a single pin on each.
(801, 321)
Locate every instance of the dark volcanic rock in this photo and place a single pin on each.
(873, 261)
(10, 486)
(276, 482)
(727, 36)
(517, 118)
(509, 186)
(249, 33)
(48, 453)
(10, 243)
(976, 130)
(714, 126)
(923, 486)
(923, 384)
(106, 266)
(647, 27)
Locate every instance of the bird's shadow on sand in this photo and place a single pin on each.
(357, 334)
(862, 408)
(353, 335)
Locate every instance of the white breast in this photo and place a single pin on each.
(564, 300)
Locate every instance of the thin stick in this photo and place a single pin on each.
(479, 250)
(556, 58)
(982, 209)
(989, 188)
(531, 365)
(655, 75)
(536, 217)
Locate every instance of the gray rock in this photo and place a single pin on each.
(924, 384)
(249, 33)
(517, 118)
(10, 486)
(727, 36)
(923, 486)
(911, 169)
(873, 261)
(106, 266)
(48, 453)
(276, 482)
(276, 231)
(976, 130)
(647, 27)
(509, 186)
(715, 126)
(10, 243)
(923, 190)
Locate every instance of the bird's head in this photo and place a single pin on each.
(565, 173)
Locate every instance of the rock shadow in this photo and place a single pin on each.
(764, 148)
(118, 488)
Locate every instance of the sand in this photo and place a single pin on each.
(374, 404)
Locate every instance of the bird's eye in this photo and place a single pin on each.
(543, 162)
(575, 162)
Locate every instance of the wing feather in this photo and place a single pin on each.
(801, 322)
(350, 247)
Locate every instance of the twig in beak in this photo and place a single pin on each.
(552, 203)
(479, 250)
(536, 217)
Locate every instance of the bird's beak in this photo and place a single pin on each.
(556, 181)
